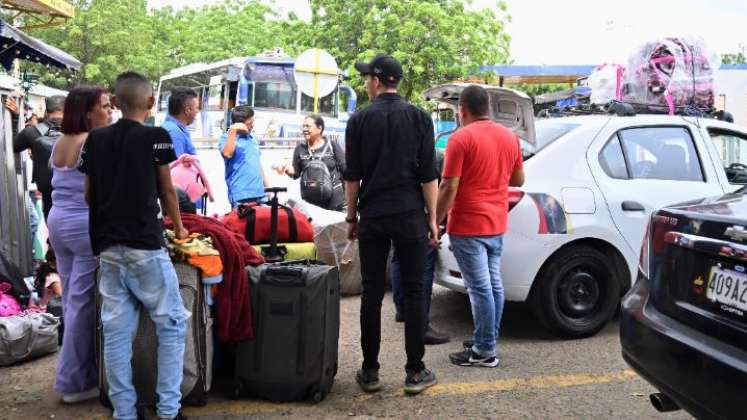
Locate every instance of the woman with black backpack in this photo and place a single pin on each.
(319, 163)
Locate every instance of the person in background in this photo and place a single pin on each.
(327, 192)
(429, 272)
(39, 139)
(127, 171)
(86, 108)
(483, 159)
(391, 180)
(183, 109)
(245, 175)
(47, 283)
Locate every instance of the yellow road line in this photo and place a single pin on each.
(244, 407)
(510, 384)
(537, 382)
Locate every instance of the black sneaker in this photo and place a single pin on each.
(418, 382)
(434, 337)
(368, 380)
(468, 358)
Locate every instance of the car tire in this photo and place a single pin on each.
(576, 292)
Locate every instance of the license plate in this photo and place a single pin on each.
(727, 287)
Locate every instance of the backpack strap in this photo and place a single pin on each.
(43, 128)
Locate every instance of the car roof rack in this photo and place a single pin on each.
(631, 109)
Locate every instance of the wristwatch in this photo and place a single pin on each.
(351, 220)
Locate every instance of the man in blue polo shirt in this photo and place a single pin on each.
(183, 109)
(245, 176)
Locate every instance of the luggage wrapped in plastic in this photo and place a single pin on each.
(671, 72)
(332, 244)
(606, 83)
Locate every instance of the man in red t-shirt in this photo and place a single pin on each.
(483, 159)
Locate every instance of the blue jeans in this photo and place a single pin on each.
(131, 278)
(428, 274)
(479, 259)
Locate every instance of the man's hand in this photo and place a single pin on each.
(353, 231)
(434, 238)
(11, 105)
(239, 128)
(181, 232)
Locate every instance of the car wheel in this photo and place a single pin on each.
(576, 292)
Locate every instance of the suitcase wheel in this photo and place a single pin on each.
(316, 395)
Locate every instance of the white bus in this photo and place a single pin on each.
(265, 83)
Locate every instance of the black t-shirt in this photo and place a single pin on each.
(122, 161)
(389, 147)
(332, 156)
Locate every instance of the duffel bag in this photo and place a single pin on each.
(23, 337)
(253, 221)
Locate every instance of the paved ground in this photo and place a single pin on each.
(540, 377)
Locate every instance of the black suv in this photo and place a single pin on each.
(684, 323)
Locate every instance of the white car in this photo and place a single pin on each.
(576, 226)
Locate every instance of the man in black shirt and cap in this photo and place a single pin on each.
(391, 180)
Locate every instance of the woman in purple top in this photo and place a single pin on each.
(86, 108)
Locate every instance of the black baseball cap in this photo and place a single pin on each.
(383, 66)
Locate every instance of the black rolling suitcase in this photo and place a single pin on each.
(296, 308)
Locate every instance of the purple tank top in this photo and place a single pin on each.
(68, 186)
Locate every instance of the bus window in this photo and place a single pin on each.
(215, 98)
(274, 95)
(326, 104)
(163, 102)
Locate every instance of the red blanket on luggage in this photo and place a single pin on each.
(233, 311)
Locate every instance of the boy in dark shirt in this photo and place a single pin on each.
(127, 171)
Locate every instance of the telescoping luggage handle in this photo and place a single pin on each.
(275, 253)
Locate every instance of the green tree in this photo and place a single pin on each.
(233, 28)
(436, 40)
(737, 58)
(108, 37)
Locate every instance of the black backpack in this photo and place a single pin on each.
(317, 184)
(42, 151)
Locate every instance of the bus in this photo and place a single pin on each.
(264, 82)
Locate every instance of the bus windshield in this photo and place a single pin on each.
(277, 95)
(326, 104)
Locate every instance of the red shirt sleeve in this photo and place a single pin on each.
(519, 163)
(454, 158)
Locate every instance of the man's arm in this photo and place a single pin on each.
(167, 194)
(351, 198)
(430, 194)
(517, 178)
(230, 147)
(24, 139)
(446, 194)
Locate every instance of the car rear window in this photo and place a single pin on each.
(548, 131)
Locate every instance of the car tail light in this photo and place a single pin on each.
(514, 196)
(644, 263)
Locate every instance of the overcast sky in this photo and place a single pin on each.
(593, 32)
